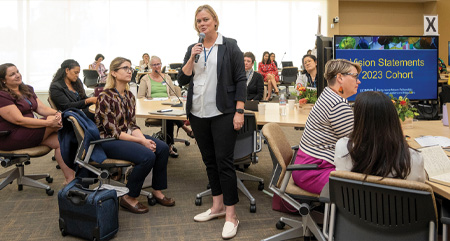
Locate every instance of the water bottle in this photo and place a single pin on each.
(282, 105)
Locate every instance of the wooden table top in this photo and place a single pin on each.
(429, 128)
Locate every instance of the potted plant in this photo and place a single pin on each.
(405, 110)
(306, 96)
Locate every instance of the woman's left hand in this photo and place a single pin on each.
(238, 121)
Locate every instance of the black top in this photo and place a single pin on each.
(255, 89)
(65, 98)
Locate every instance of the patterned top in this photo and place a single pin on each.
(115, 113)
(101, 71)
(330, 119)
(265, 69)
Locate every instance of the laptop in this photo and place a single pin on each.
(251, 105)
(287, 64)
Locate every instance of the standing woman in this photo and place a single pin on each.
(115, 117)
(330, 119)
(215, 107)
(97, 65)
(255, 82)
(270, 73)
(66, 89)
(18, 102)
(308, 76)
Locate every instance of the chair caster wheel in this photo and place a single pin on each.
(49, 192)
(261, 186)
(151, 201)
(49, 179)
(53, 158)
(253, 208)
(63, 232)
(198, 201)
(280, 225)
(58, 167)
(187, 143)
(20, 187)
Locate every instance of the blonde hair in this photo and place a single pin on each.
(211, 11)
(155, 57)
(114, 66)
(338, 66)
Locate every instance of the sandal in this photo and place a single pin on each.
(172, 153)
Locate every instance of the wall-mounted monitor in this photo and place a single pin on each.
(397, 65)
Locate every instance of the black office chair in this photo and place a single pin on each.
(248, 143)
(20, 158)
(102, 170)
(288, 76)
(91, 78)
(283, 185)
(382, 209)
(176, 66)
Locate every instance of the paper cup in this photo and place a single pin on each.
(262, 109)
(291, 104)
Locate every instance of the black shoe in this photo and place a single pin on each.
(172, 152)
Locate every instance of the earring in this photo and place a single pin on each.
(341, 90)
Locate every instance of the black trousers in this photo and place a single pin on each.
(170, 129)
(216, 139)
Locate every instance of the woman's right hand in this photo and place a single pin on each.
(91, 100)
(149, 144)
(197, 49)
(54, 122)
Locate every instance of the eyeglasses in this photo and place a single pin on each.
(156, 65)
(126, 68)
(356, 75)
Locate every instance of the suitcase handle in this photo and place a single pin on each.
(76, 197)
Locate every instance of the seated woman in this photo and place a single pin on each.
(377, 145)
(97, 65)
(308, 76)
(255, 82)
(270, 73)
(154, 85)
(115, 117)
(66, 89)
(272, 59)
(18, 102)
(144, 64)
(330, 119)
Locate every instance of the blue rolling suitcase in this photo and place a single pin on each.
(88, 214)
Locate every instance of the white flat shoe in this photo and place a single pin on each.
(229, 230)
(206, 216)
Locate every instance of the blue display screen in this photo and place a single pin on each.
(393, 65)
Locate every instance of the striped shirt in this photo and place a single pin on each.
(330, 119)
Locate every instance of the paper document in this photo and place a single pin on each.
(436, 164)
(433, 141)
(156, 99)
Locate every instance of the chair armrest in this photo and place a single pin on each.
(102, 140)
(295, 147)
(299, 167)
(4, 133)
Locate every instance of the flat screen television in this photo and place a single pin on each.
(396, 65)
(324, 53)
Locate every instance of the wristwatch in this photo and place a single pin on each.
(240, 111)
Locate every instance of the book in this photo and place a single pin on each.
(433, 140)
(437, 164)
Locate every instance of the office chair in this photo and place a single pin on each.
(20, 158)
(150, 122)
(445, 218)
(288, 76)
(248, 143)
(102, 170)
(91, 78)
(283, 185)
(382, 209)
(176, 66)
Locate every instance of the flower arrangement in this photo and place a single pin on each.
(404, 108)
(305, 95)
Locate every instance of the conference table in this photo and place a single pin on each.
(429, 128)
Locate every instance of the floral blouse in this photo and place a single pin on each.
(265, 69)
(115, 113)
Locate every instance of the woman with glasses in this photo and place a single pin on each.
(67, 91)
(272, 59)
(115, 117)
(270, 73)
(330, 119)
(308, 76)
(156, 85)
(215, 108)
(377, 145)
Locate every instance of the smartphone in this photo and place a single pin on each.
(165, 110)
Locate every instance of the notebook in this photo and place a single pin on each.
(251, 105)
(436, 164)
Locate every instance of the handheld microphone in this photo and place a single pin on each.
(200, 40)
(174, 105)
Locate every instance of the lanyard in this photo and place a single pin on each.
(249, 74)
(207, 56)
(123, 102)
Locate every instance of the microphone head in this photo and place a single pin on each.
(156, 70)
(201, 35)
